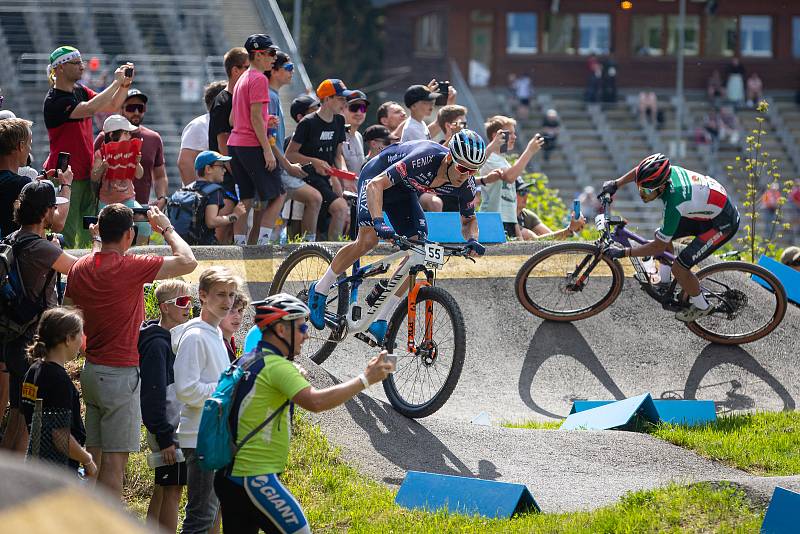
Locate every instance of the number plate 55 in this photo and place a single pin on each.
(434, 254)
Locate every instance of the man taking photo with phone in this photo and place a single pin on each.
(68, 110)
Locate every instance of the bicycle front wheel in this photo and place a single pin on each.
(295, 275)
(566, 282)
(749, 302)
(426, 375)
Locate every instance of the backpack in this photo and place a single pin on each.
(186, 209)
(216, 448)
(18, 312)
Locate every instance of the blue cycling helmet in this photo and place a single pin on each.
(468, 149)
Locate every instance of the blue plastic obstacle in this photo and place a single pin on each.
(445, 227)
(431, 492)
(782, 514)
(788, 277)
(678, 412)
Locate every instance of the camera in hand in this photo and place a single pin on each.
(141, 211)
(129, 72)
(443, 90)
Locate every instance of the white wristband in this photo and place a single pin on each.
(364, 380)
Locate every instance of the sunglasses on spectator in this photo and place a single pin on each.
(357, 108)
(134, 108)
(288, 67)
(460, 124)
(271, 52)
(75, 62)
(465, 170)
(181, 302)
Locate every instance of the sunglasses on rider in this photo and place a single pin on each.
(134, 108)
(303, 328)
(181, 302)
(357, 108)
(647, 191)
(465, 170)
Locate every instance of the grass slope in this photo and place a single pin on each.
(336, 498)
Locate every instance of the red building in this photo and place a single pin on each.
(554, 38)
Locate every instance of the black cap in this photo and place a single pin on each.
(40, 194)
(356, 96)
(258, 41)
(136, 92)
(521, 185)
(281, 59)
(379, 131)
(301, 104)
(418, 93)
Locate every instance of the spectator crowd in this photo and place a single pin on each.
(242, 176)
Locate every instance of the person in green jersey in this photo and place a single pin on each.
(251, 494)
(694, 205)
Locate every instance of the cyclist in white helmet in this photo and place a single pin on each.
(392, 182)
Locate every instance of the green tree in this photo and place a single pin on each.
(340, 39)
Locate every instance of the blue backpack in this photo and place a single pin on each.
(186, 209)
(216, 448)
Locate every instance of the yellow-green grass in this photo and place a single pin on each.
(336, 498)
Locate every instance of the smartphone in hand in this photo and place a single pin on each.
(129, 72)
(504, 146)
(62, 162)
(443, 90)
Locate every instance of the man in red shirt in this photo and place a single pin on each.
(155, 172)
(108, 286)
(68, 110)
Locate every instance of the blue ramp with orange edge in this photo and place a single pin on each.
(445, 227)
(783, 514)
(676, 412)
(787, 276)
(464, 495)
(614, 415)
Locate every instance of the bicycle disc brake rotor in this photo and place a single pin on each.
(570, 283)
(427, 352)
(735, 301)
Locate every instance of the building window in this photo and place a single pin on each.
(521, 33)
(594, 30)
(428, 35)
(796, 37)
(720, 36)
(558, 35)
(647, 35)
(755, 35)
(691, 32)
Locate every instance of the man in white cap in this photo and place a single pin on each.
(68, 111)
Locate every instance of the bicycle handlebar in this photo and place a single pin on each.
(405, 243)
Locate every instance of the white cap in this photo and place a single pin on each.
(7, 114)
(117, 122)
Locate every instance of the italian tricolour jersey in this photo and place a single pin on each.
(690, 195)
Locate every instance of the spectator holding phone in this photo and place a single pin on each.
(68, 110)
(272, 382)
(15, 149)
(497, 189)
(119, 189)
(40, 259)
(530, 226)
(108, 286)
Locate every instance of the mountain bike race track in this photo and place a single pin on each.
(519, 367)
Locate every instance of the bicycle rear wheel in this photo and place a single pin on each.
(295, 275)
(425, 379)
(563, 283)
(745, 310)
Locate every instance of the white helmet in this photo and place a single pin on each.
(468, 149)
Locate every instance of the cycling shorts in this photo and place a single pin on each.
(401, 206)
(258, 502)
(710, 235)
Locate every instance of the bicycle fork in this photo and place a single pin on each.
(412, 318)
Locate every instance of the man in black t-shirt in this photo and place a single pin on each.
(219, 128)
(318, 141)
